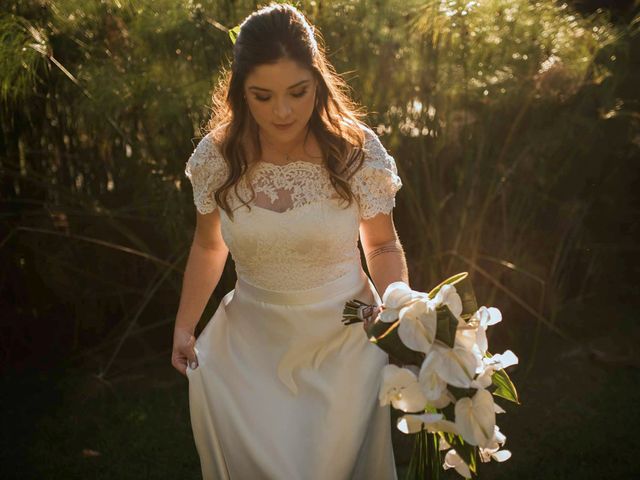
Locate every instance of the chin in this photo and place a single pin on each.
(290, 132)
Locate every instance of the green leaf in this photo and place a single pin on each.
(390, 342)
(233, 33)
(434, 461)
(419, 462)
(505, 387)
(446, 325)
(452, 280)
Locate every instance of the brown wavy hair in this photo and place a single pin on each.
(274, 32)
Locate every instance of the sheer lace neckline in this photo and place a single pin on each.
(281, 188)
(262, 163)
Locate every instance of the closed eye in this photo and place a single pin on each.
(296, 95)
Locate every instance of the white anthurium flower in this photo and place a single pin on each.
(493, 449)
(413, 423)
(400, 387)
(481, 340)
(498, 437)
(483, 380)
(476, 418)
(466, 336)
(497, 455)
(432, 384)
(445, 399)
(501, 360)
(483, 318)
(388, 315)
(396, 296)
(486, 454)
(490, 365)
(453, 460)
(497, 440)
(457, 365)
(432, 422)
(447, 295)
(418, 325)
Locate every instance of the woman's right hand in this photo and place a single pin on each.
(183, 350)
(371, 317)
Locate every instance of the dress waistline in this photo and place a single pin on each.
(301, 297)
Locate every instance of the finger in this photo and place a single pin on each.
(192, 359)
(185, 365)
(180, 366)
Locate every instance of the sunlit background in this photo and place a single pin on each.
(515, 126)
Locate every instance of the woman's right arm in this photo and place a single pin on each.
(207, 257)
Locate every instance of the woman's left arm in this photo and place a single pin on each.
(383, 251)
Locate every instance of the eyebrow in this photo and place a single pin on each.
(253, 87)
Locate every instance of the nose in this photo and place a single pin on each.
(281, 109)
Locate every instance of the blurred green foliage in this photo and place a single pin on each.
(514, 125)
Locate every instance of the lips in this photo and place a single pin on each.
(284, 125)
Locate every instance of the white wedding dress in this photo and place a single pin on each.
(284, 390)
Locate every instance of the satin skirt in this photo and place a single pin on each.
(285, 391)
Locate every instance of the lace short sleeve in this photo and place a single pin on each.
(206, 169)
(375, 184)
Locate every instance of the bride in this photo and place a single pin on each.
(287, 180)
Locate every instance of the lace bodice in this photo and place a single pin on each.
(296, 235)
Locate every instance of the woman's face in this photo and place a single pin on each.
(282, 93)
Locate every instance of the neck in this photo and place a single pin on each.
(287, 146)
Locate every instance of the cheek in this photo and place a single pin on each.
(307, 105)
(258, 110)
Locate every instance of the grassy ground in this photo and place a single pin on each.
(140, 427)
(578, 420)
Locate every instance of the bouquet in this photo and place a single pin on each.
(448, 381)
